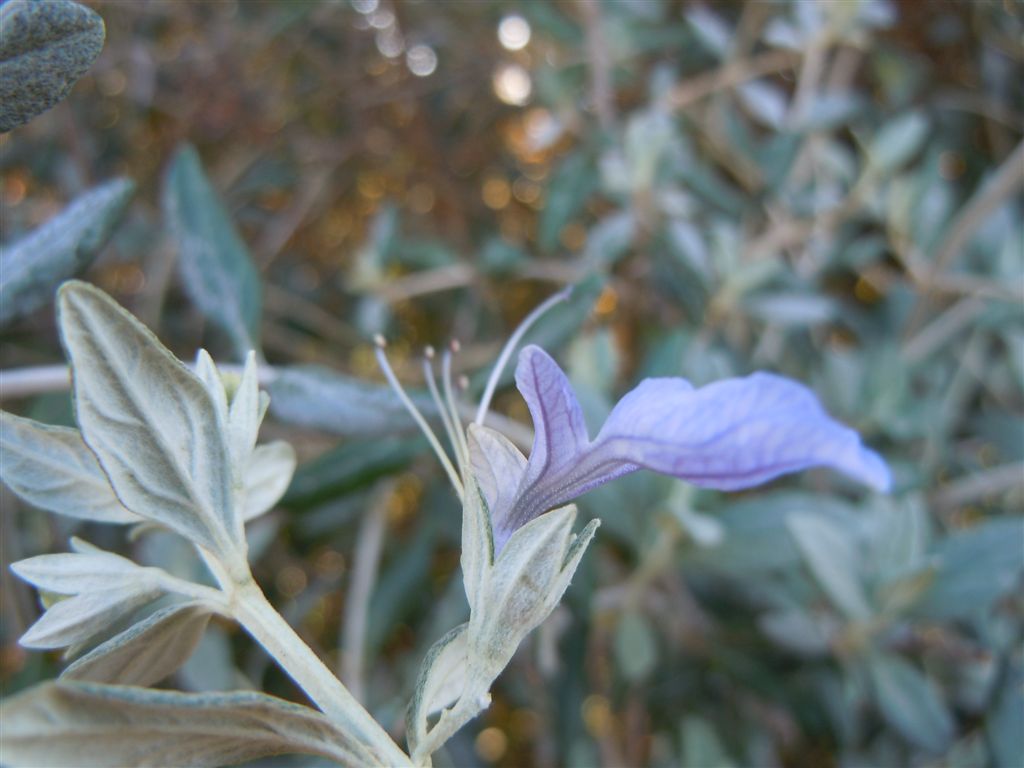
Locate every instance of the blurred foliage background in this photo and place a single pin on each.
(831, 190)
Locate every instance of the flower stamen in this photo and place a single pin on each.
(389, 374)
(510, 347)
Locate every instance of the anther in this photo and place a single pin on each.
(379, 340)
(428, 352)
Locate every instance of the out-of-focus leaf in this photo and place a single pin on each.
(150, 422)
(636, 650)
(712, 31)
(317, 397)
(270, 471)
(146, 652)
(793, 310)
(570, 188)
(800, 631)
(829, 111)
(702, 747)
(89, 724)
(53, 469)
(766, 102)
(834, 561)
(1005, 724)
(898, 141)
(348, 467)
(910, 703)
(33, 267)
(44, 48)
(216, 269)
(975, 567)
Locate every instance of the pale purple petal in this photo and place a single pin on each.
(729, 435)
(560, 433)
(733, 434)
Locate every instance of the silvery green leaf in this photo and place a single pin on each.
(33, 267)
(766, 102)
(76, 619)
(711, 30)
(477, 543)
(215, 265)
(44, 49)
(975, 567)
(441, 680)
(91, 725)
(207, 372)
(70, 573)
(312, 396)
(53, 469)
(833, 560)
(636, 649)
(910, 703)
(898, 141)
(244, 416)
(525, 584)
(800, 631)
(270, 472)
(792, 310)
(151, 423)
(702, 746)
(148, 651)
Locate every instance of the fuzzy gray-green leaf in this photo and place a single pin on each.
(148, 651)
(53, 469)
(214, 262)
(33, 267)
(92, 726)
(44, 48)
(149, 420)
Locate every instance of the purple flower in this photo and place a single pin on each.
(729, 435)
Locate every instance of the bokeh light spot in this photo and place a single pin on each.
(514, 32)
(512, 84)
(421, 60)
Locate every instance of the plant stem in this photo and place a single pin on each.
(254, 612)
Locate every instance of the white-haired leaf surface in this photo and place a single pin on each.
(76, 619)
(442, 679)
(150, 421)
(52, 468)
(91, 725)
(270, 472)
(69, 573)
(32, 267)
(148, 651)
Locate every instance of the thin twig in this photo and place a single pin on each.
(369, 545)
(978, 485)
(598, 63)
(732, 74)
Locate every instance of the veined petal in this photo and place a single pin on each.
(733, 434)
(560, 433)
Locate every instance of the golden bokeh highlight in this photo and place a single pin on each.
(496, 192)
(491, 744)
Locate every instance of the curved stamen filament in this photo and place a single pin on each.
(462, 451)
(510, 346)
(442, 408)
(421, 422)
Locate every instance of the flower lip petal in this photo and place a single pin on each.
(733, 434)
